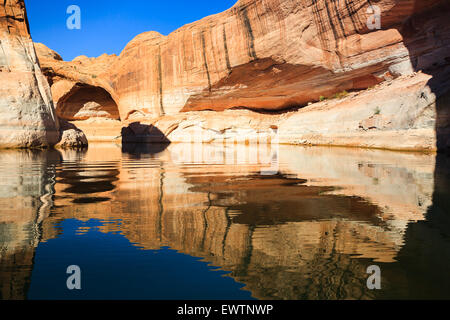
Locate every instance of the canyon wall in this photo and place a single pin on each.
(27, 116)
(311, 72)
(264, 55)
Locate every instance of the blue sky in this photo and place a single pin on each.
(108, 25)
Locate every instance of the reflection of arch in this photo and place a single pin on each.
(84, 101)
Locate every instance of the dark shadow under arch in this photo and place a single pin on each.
(84, 101)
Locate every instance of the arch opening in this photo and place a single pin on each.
(85, 102)
(92, 110)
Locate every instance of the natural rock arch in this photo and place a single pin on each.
(85, 101)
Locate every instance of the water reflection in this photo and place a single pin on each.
(284, 222)
(28, 180)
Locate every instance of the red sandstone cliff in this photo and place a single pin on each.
(272, 55)
(265, 54)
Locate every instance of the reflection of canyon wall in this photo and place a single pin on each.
(426, 255)
(25, 200)
(309, 231)
(320, 222)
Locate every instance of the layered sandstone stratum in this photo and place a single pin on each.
(306, 71)
(27, 113)
(27, 116)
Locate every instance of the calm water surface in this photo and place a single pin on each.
(192, 221)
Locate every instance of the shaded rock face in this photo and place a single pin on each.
(83, 102)
(27, 117)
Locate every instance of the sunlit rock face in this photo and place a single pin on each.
(280, 57)
(25, 199)
(267, 55)
(27, 116)
(325, 48)
(403, 114)
(71, 136)
(80, 95)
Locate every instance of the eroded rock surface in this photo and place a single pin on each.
(278, 59)
(273, 55)
(400, 114)
(71, 137)
(27, 116)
